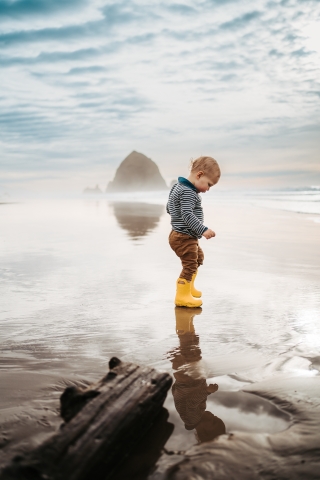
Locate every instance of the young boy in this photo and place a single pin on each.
(184, 206)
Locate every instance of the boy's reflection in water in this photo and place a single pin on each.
(190, 389)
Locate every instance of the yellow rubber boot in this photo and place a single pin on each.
(194, 292)
(183, 295)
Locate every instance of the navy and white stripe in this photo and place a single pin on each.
(190, 400)
(184, 206)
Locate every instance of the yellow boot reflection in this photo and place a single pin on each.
(190, 390)
(184, 319)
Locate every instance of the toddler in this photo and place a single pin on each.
(184, 207)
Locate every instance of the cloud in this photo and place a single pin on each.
(301, 52)
(91, 69)
(181, 9)
(217, 3)
(24, 8)
(275, 53)
(46, 34)
(169, 79)
(30, 125)
(240, 21)
(120, 13)
(51, 57)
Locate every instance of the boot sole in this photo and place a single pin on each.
(187, 305)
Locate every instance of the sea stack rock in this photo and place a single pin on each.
(137, 173)
(92, 190)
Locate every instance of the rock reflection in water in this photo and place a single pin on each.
(190, 389)
(138, 219)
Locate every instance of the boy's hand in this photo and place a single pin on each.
(208, 234)
(212, 388)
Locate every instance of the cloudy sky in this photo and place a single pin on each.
(85, 82)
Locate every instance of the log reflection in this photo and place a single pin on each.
(140, 463)
(137, 219)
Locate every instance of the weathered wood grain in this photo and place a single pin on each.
(103, 423)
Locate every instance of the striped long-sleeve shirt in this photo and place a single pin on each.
(190, 400)
(184, 206)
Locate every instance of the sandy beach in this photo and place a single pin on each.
(86, 279)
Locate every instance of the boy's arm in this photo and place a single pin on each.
(212, 388)
(187, 204)
(167, 206)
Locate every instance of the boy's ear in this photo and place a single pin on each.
(200, 174)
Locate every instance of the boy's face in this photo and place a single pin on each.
(210, 427)
(203, 182)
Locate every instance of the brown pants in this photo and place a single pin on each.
(187, 248)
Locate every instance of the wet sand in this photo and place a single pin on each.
(86, 280)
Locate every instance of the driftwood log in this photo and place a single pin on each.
(103, 423)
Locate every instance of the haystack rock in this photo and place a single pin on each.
(137, 173)
(92, 190)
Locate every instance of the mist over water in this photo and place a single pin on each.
(83, 280)
(300, 200)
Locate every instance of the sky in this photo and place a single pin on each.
(85, 82)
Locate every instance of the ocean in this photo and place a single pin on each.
(300, 200)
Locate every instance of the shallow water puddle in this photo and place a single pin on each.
(203, 408)
(222, 412)
(225, 412)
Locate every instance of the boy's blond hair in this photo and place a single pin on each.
(206, 164)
